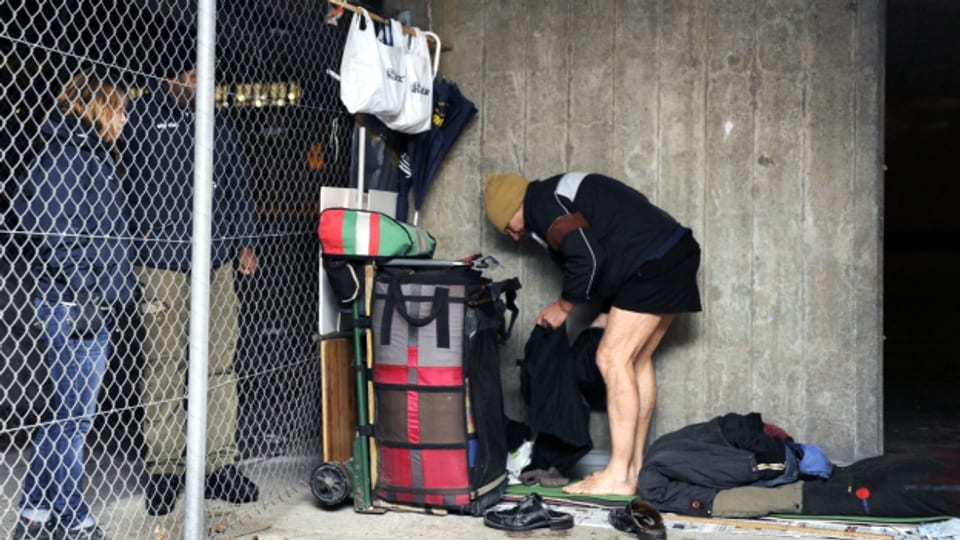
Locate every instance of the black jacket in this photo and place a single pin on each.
(599, 230)
(159, 162)
(556, 410)
(683, 470)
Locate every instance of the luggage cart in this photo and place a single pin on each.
(333, 481)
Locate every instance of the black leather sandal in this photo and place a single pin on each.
(639, 518)
(530, 514)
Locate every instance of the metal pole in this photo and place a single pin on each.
(361, 163)
(200, 272)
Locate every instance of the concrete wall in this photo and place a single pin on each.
(756, 123)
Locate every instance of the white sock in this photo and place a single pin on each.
(87, 523)
(35, 514)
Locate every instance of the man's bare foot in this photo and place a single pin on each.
(602, 483)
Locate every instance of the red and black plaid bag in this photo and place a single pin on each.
(438, 421)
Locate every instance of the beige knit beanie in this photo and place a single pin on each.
(502, 196)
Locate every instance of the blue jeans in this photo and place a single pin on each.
(54, 481)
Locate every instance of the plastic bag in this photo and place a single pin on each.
(372, 72)
(415, 115)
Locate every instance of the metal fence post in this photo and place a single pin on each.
(200, 278)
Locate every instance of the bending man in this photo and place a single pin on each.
(612, 243)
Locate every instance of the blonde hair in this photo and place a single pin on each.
(93, 99)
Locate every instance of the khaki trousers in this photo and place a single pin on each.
(165, 312)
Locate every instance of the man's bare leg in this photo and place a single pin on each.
(624, 338)
(647, 388)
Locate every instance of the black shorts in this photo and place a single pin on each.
(665, 285)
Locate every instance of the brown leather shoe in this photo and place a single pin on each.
(639, 518)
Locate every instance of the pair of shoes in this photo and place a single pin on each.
(639, 518)
(32, 530)
(87, 533)
(530, 514)
(161, 493)
(229, 484)
(547, 478)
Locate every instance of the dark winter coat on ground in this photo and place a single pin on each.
(683, 470)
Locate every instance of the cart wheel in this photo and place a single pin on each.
(330, 483)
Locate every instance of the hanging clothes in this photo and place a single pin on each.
(452, 113)
(382, 147)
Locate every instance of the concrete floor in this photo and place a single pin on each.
(289, 511)
(302, 519)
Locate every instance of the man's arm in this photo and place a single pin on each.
(248, 261)
(582, 259)
(243, 210)
(555, 314)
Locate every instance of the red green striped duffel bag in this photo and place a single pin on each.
(349, 232)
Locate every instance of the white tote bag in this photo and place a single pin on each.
(415, 115)
(371, 72)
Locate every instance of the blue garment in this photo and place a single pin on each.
(159, 159)
(72, 204)
(815, 461)
(452, 112)
(54, 480)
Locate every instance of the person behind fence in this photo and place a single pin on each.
(159, 159)
(612, 244)
(71, 203)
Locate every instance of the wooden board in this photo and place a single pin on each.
(368, 279)
(338, 399)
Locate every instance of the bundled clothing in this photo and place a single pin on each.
(684, 470)
(556, 411)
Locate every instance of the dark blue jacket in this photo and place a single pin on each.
(685, 469)
(72, 204)
(158, 160)
(599, 230)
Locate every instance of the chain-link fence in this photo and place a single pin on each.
(96, 268)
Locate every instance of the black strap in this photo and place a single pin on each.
(508, 288)
(439, 311)
(364, 322)
(438, 308)
(420, 388)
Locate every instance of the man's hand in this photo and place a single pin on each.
(248, 262)
(554, 315)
